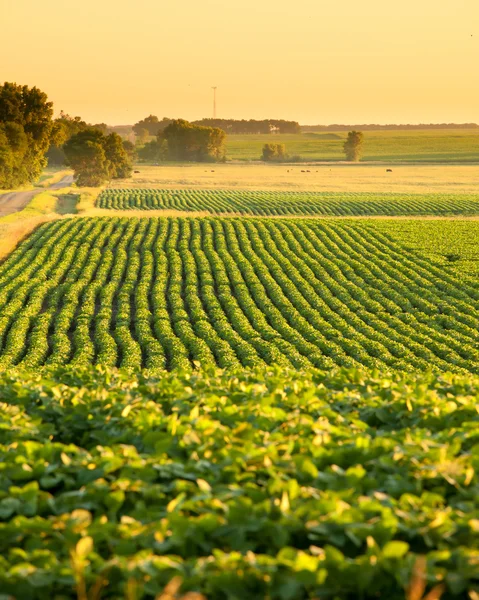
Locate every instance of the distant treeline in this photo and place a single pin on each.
(243, 126)
(152, 126)
(372, 127)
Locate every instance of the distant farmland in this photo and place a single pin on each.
(442, 145)
(277, 203)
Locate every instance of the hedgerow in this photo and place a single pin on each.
(264, 483)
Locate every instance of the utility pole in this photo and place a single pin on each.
(214, 101)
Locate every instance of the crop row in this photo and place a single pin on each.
(165, 293)
(269, 202)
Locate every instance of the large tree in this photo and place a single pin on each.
(193, 142)
(96, 158)
(353, 146)
(25, 132)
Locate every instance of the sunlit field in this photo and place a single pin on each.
(442, 145)
(328, 178)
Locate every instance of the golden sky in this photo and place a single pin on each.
(315, 61)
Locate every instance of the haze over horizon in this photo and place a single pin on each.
(119, 61)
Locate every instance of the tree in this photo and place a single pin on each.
(274, 153)
(152, 124)
(96, 158)
(353, 145)
(192, 142)
(119, 163)
(64, 127)
(142, 136)
(130, 150)
(85, 153)
(25, 131)
(154, 151)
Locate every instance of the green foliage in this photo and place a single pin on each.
(119, 161)
(268, 202)
(353, 146)
(25, 131)
(163, 293)
(154, 151)
(96, 158)
(130, 150)
(269, 483)
(152, 125)
(274, 153)
(64, 127)
(252, 126)
(193, 142)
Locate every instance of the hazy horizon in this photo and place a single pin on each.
(119, 61)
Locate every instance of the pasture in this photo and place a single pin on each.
(408, 146)
(327, 178)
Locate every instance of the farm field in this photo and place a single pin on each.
(447, 145)
(175, 292)
(270, 483)
(277, 203)
(322, 177)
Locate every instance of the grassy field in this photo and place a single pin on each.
(459, 145)
(327, 178)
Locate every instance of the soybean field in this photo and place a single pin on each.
(265, 483)
(272, 202)
(166, 293)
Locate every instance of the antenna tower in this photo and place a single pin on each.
(214, 88)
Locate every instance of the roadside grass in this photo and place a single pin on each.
(51, 176)
(45, 206)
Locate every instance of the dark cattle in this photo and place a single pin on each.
(389, 170)
(212, 171)
(137, 171)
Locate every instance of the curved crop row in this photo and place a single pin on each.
(168, 293)
(271, 202)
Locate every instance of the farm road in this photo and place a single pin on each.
(15, 201)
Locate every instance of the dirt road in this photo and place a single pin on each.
(15, 201)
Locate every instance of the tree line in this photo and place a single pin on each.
(152, 126)
(375, 127)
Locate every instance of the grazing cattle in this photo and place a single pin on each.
(137, 171)
(303, 171)
(389, 170)
(212, 171)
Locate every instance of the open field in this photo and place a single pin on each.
(448, 145)
(166, 293)
(327, 178)
(247, 485)
(271, 479)
(274, 203)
